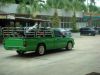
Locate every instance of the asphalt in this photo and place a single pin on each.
(83, 59)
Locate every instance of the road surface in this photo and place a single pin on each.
(83, 59)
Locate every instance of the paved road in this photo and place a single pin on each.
(83, 59)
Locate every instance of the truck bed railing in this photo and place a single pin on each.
(22, 32)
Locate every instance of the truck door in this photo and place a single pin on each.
(58, 39)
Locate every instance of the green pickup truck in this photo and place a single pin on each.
(36, 40)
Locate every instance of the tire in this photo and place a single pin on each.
(40, 50)
(93, 35)
(69, 46)
(20, 52)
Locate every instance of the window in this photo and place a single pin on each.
(57, 33)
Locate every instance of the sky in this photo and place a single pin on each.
(97, 2)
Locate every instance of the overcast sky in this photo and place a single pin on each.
(97, 2)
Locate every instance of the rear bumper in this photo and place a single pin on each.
(15, 48)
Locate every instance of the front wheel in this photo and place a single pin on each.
(69, 46)
(20, 52)
(41, 50)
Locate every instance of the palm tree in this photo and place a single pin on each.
(32, 7)
(92, 5)
(55, 4)
(5, 2)
(74, 6)
(22, 7)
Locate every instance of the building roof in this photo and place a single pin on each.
(20, 17)
(12, 8)
(29, 19)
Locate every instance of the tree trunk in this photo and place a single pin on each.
(74, 25)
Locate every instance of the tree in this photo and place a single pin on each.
(74, 6)
(93, 8)
(6, 2)
(55, 4)
(55, 20)
(32, 7)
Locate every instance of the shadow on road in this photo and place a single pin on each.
(33, 55)
(93, 73)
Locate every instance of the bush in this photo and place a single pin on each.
(75, 31)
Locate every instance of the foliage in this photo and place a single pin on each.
(32, 7)
(74, 6)
(93, 8)
(74, 22)
(55, 4)
(55, 20)
(78, 5)
(5, 2)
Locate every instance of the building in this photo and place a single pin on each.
(93, 20)
(65, 17)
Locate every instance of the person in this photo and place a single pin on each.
(31, 28)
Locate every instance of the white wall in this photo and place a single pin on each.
(12, 8)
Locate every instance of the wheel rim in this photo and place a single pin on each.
(41, 50)
(69, 46)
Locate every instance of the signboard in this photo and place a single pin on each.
(3, 17)
(7, 17)
(10, 17)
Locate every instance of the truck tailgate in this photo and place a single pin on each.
(13, 42)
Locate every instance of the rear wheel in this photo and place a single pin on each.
(20, 52)
(41, 50)
(93, 34)
(69, 46)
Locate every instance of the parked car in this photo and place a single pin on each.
(87, 31)
(67, 31)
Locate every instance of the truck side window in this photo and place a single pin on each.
(57, 33)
